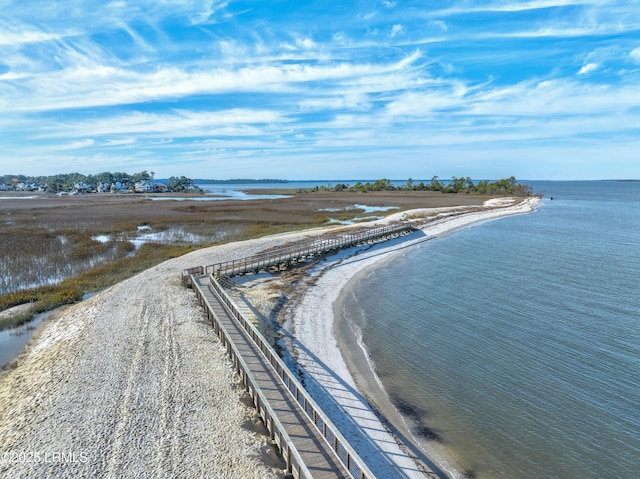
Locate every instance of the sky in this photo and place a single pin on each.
(306, 89)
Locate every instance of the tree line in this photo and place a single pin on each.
(105, 181)
(507, 186)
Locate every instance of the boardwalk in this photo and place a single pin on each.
(311, 445)
(288, 255)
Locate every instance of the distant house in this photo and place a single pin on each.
(3, 187)
(82, 187)
(117, 187)
(104, 187)
(147, 187)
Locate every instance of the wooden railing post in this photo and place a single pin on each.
(292, 383)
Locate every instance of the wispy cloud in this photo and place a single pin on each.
(588, 68)
(16, 35)
(103, 85)
(189, 83)
(397, 28)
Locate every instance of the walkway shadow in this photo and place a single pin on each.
(334, 387)
(344, 417)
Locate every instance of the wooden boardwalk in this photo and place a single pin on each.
(310, 444)
(289, 255)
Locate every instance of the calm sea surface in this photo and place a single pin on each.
(517, 342)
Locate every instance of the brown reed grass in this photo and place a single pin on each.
(49, 255)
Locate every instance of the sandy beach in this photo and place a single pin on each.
(133, 382)
(335, 364)
(334, 356)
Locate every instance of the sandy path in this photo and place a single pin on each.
(132, 383)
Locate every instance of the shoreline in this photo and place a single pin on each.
(319, 325)
(134, 382)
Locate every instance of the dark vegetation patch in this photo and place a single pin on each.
(416, 416)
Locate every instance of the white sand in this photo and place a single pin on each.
(313, 323)
(134, 383)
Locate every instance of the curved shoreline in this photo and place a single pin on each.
(320, 327)
(133, 382)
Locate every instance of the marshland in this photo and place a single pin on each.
(55, 248)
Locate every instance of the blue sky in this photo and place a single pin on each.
(538, 89)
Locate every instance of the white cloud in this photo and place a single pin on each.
(516, 6)
(424, 103)
(350, 101)
(11, 35)
(105, 85)
(121, 142)
(305, 43)
(635, 55)
(395, 30)
(178, 123)
(548, 99)
(74, 145)
(205, 12)
(440, 24)
(588, 68)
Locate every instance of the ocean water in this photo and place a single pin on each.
(515, 343)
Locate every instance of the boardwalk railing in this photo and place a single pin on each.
(277, 432)
(334, 439)
(300, 252)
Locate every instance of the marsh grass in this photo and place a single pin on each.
(72, 289)
(38, 256)
(49, 257)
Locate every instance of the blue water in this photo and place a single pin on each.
(239, 191)
(516, 343)
(12, 340)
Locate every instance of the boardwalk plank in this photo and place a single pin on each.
(317, 455)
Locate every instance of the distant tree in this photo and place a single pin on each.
(181, 184)
(482, 188)
(105, 177)
(382, 184)
(55, 185)
(435, 185)
(456, 185)
(468, 185)
(142, 176)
